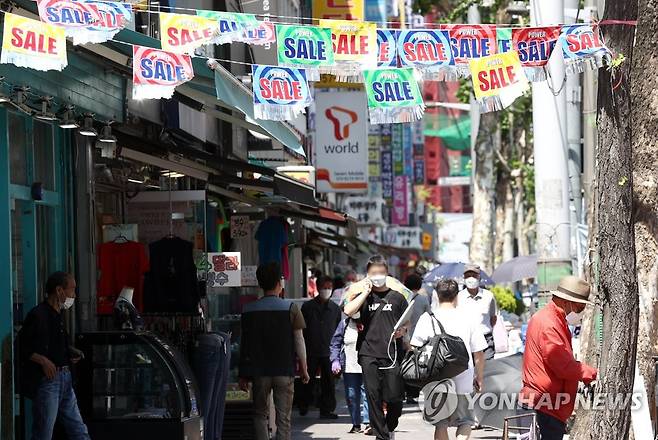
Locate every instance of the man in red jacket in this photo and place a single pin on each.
(550, 372)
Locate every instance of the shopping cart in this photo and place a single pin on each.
(527, 432)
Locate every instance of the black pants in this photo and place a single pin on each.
(327, 401)
(550, 428)
(382, 386)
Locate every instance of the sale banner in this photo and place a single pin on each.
(305, 46)
(355, 48)
(263, 35)
(31, 43)
(86, 21)
(498, 80)
(339, 9)
(231, 27)
(393, 96)
(387, 55)
(156, 73)
(583, 48)
(470, 41)
(428, 51)
(535, 46)
(184, 33)
(280, 93)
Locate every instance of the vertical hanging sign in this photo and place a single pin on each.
(400, 214)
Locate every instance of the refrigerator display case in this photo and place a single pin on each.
(133, 385)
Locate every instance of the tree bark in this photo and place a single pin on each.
(645, 185)
(617, 283)
(481, 249)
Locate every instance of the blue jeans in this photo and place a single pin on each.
(55, 399)
(355, 396)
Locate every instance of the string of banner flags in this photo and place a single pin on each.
(391, 63)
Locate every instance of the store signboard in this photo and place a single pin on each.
(240, 226)
(404, 237)
(400, 215)
(387, 175)
(398, 149)
(341, 142)
(224, 269)
(407, 150)
(366, 210)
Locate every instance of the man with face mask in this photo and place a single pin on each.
(47, 357)
(322, 316)
(550, 372)
(379, 307)
(481, 304)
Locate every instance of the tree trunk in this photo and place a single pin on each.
(484, 208)
(645, 185)
(617, 284)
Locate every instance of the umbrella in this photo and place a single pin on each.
(451, 271)
(516, 269)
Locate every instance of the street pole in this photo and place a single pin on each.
(550, 159)
(574, 100)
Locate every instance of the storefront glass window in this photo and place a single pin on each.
(44, 163)
(17, 149)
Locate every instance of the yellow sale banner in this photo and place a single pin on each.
(498, 80)
(355, 48)
(181, 33)
(338, 9)
(31, 43)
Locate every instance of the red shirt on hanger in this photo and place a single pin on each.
(121, 265)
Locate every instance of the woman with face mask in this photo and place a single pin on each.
(379, 307)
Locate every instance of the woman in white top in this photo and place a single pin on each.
(456, 323)
(345, 359)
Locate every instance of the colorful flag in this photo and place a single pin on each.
(429, 51)
(355, 48)
(583, 48)
(184, 33)
(263, 35)
(280, 93)
(498, 80)
(156, 73)
(305, 46)
(387, 55)
(31, 43)
(232, 27)
(535, 46)
(470, 41)
(86, 21)
(393, 96)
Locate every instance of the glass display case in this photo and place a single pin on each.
(133, 384)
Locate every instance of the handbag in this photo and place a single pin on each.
(442, 357)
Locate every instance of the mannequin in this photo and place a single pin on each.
(126, 316)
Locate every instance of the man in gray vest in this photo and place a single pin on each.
(271, 333)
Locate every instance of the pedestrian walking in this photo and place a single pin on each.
(481, 304)
(456, 322)
(421, 304)
(46, 360)
(322, 317)
(345, 360)
(379, 308)
(550, 372)
(271, 333)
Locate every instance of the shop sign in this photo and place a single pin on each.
(427, 241)
(397, 147)
(408, 151)
(224, 269)
(249, 276)
(400, 214)
(240, 226)
(387, 175)
(365, 210)
(341, 142)
(403, 237)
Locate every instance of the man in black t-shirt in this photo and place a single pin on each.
(379, 308)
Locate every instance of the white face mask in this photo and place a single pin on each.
(472, 283)
(378, 280)
(68, 303)
(574, 318)
(325, 293)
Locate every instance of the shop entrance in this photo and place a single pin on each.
(35, 155)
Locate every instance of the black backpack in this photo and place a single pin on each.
(442, 357)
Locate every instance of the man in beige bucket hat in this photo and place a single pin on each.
(550, 372)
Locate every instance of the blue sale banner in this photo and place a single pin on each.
(280, 93)
(387, 48)
(583, 48)
(429, 52)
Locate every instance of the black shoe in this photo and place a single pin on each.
(303, 411)
(355, 429)
(328, 416)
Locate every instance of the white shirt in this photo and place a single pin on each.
(482, 307)
(349, 345)
(456, 323)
